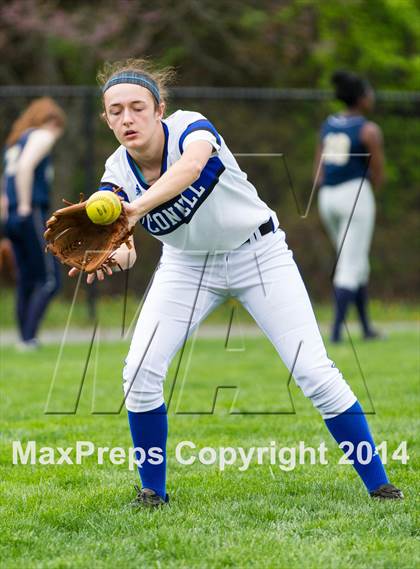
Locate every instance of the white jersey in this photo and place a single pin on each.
(218, 212)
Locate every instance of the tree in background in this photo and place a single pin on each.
(260, 43)
(274, 43)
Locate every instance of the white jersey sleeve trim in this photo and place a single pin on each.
(202, 135)
(202, 125)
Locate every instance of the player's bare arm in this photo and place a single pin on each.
(317, 173)
(178, 177)
(4, 202)
(371, 136)
(39, 145)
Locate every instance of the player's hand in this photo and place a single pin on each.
(133, 214)
(99, 274)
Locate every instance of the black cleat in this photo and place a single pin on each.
(387, 492)
(147, 498)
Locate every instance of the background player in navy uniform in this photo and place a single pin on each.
(27, 181)
(352, 161)
(219, 240)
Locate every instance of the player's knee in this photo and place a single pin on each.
(143, 385)
(325, 386)
(141, 402)
(333, 396)
(144, 369)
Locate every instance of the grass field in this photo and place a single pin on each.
(110, 310)
(55, 516)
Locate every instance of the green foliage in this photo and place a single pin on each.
(288, 43)
(260, 44)
(379, 38)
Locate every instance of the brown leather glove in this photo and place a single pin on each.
(78, 242)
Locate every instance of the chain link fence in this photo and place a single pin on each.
(273, 132)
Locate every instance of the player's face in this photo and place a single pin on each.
(132, 114)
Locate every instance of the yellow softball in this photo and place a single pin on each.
(103, 207)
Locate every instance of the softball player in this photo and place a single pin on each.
(352, 160)
(27, 180)
(183, 184)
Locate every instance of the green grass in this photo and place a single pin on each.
(314, 516)
(111, 308)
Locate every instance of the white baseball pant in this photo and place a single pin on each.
(335, 207)
(263, 276)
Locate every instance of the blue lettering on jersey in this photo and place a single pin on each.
(181, 209)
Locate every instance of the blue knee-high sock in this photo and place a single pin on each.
(343, 298)
(361, 302)
(352, 426)
(149, 430)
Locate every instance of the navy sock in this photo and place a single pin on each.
(343, 297)
(352, 426)
(361, 301)
(150, 430)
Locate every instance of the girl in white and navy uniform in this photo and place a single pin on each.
(27, 182)
(181, 181)
(351, 156)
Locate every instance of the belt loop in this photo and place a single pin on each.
(263, 229)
